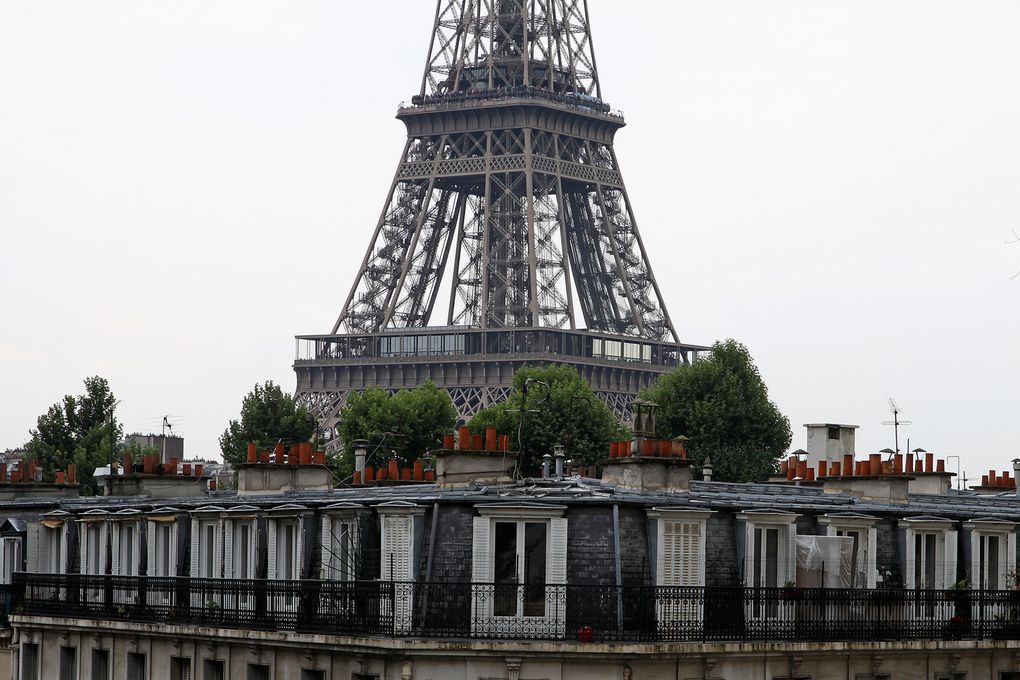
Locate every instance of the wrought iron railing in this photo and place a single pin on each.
(583, 613)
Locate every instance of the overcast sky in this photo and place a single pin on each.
(185, 186)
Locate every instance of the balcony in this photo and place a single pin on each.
(577, 613)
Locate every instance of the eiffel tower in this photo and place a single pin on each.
(507, 238)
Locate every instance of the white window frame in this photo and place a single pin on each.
(339, 542)
(867, 549)
(668, 521)
(203, 520)
(786, 547)
(483, 566)
(120, 522)
(981, 529)
(46, 549)
(160, 522)
(945, 550)
(278, 520)
(235, 520)
(10, 557)
(397, 520)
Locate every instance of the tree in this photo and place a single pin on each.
(408, 423)
(81, 430)
(268, 416)
(548, 406)
(722, 405)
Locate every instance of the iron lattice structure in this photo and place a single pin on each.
(509, 196)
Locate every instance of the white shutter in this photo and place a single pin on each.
(298, 547)
(151, 538)
(396, 548)
(871, 558)
(326, 542)
(950, 559)
(228, 548)
(557, 574)
(253, 547)
(908, 562)
(196, 535)
(976, 576)
(104, 537)
(480, 557)
(272, 526)
(83, 548)
(1010, 563)
(115, 529)
(37, 556)
(791, 553)
(749, 581)
(679, 553)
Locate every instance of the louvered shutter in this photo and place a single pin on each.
(115, 547)
(950, 559)
(228, 549)
(326, 542)
(1010, 562)
(38, 550)
(669, 556)
(83, 540)
(272, 526)
(151, 539)
(557, 552)
(196, 536)
(871, 558)
(480, 568)
(104, 537)
(397, 548)
(908, 558)
(299, 570)
(748, 577)
(791, 553)
(253, 546)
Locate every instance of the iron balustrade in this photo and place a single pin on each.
(583, 613)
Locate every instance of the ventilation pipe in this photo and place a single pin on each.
(360, 456)
(1016, 474)
(706, 469)
(560, 451)
(545, 466)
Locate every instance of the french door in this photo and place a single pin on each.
(519, 569)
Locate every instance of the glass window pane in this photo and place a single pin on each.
(534, 568)
(505, 569)
(993, 563)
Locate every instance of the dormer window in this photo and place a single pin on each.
(206, 548)
(340, 543)
(125, 543)
(863, 570)
(679, 546)
(161, 540)
(239, 542)
(992, 546)
(285, 529)
(519, 562)
(928, 548)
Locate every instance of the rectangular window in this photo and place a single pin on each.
(925, 566)
(30, 661)
(857, 574)
(286, 550)
(243, 539)
(12, 558)
(135, 666)
(94, 562)
(55, 537)
(209, 550)
(307, 674)
(100, 664)
(126, 548)
(257, 671)
(990, 551)
(180, 668)
(681, 553)
(212, 669)
(341, 551)
(68, 663)
(766, 557)
(519, 559)
(163, 557)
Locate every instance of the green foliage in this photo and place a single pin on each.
(407, 423)
(268, 416)
(722, 405)
(77, 430)
(537, 418)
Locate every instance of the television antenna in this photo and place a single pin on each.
(896, 422)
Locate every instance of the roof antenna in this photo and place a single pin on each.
(896, 422)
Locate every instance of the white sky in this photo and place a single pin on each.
(186, 186)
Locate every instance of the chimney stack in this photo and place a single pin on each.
(360, 455)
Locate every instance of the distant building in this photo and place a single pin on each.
(167, 446)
